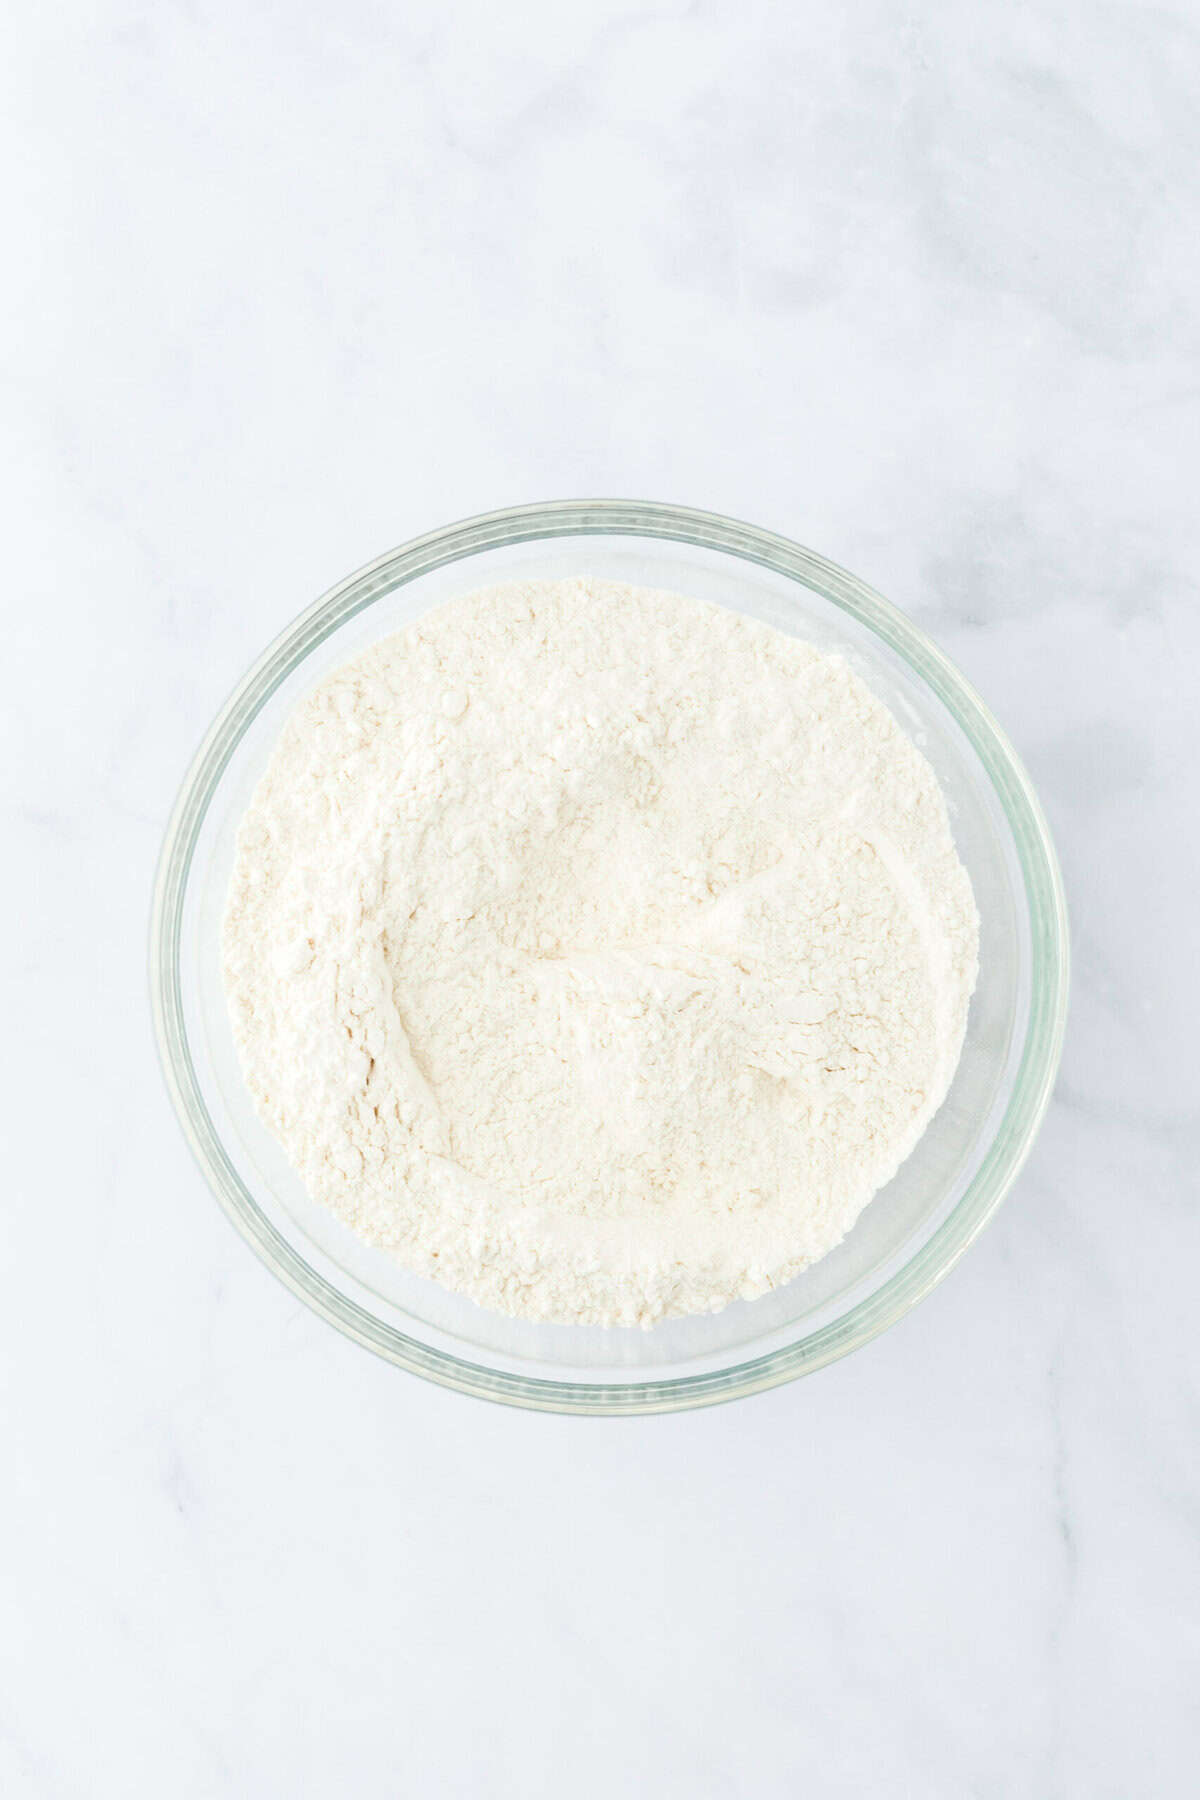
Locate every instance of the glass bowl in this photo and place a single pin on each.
(914, 1230)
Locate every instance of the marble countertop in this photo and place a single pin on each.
(914, 286)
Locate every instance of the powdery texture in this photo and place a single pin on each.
(597, 952)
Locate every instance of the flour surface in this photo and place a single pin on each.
(597, 952)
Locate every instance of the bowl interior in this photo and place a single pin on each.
(414, 1320)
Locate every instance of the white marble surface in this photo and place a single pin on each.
(291, 284)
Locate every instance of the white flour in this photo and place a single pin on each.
(596, 951)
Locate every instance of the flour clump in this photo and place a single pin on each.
(597, 952)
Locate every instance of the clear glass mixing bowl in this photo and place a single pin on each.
(913, 1231)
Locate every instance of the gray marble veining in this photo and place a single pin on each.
(915, 287)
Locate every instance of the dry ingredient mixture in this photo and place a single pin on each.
(596, 951)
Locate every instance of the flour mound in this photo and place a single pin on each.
(597, 952)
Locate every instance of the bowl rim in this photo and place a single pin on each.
(1049, 945)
